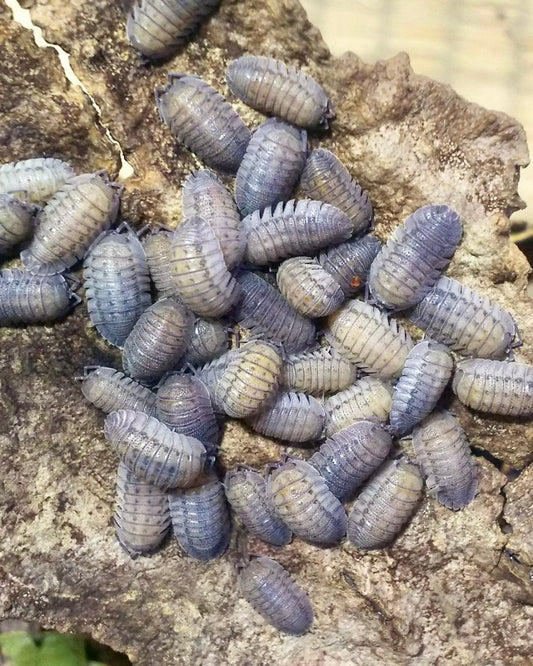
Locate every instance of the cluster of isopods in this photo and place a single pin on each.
(354, 378)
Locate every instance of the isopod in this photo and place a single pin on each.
(200, 118)
(152, 451)
(442, 451)
(327, 179)
(16, 222)
(110, 390)
(209, 339)
(426, 373)
(211, 372)
(464, 320)
(293, 417)
(413, 258)
(304, 502)
(158, 250)
(498, 387)
(271, 166)
(38, 178)
(275, 89)
(316, 372)
(273, 593)
(349, 263)
(142, 516)
(73, 218)
(385, 505)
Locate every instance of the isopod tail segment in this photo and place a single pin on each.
(329, 114)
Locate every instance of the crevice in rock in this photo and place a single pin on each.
(23, 17)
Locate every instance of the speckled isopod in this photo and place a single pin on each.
(209, 339)
(316, 372)
(293, 417)
(349, 263)
(38, 178)
(200, 118)
(110, 390)
(158, 250)
(16, 222)
(271, 591)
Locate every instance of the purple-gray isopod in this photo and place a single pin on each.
(427, 371)
(275, 89)
(350, 456)
(209, 339)
(110, 390)
(142, 516)
(327, 179)
(16, 222)
(273, 593)
(464, 320)
(158, 250)
(316, 372)
(200, 118)
(349, 263)
(73, 218)
(413, 258)
(292, 417)
(211, 372)
(271, 166)
(246, 493)
(385, 505)
(443, 453)
(304, 502)
(152, 451)
(38, 178)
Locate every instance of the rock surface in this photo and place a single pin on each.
(455, 588)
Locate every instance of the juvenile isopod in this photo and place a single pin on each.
(271, 166)
(157, 28)
(464, 320)
(152, 451)
(426, 373)
(350, 456)
(209, 339)
(16, 222)
(26, 298)
(157, 340)
(293, 228)
(275, 89)
(73, 218)
(158, 250)
(349, 263)
(327, 179)
(38, 178)
(142, 516)
(316, 372)
(110, 390)
(304, 502)
(293, 417)
(443, 453)
(205, 196)
(308, 288)
(273, 593)
(369, 338)
(117, 283)
(498, 387)
(200, 519)
(385, 505)
(200, 118)
(246, 493)
(413, 258)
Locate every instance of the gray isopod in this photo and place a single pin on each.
(304, 502)
(157, 28)
(117, 283)
(209, 339)
(152, 451)
(349, 263)
(464, 320)
(246, 493)
(205, 196)
(275, 89)
(200, 118)
(158, 250)
(16, 222)
(385, 505)
(273, 593)
(264, 311)
(308, 288)
(369, 338)
(443, 453)
(210, 374)
(411, 261)
(316, 372)
(157, 340)
(350, 456)
(199, 270)
(26, 298)
(369, 399)
(110, 390)
(38, 178)
(142, 516)
(200, 519)
(184, 405)
(293, 417)
(271, 166)
(73, 218)
(426, 373)
(327, 179)
(498, 387)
